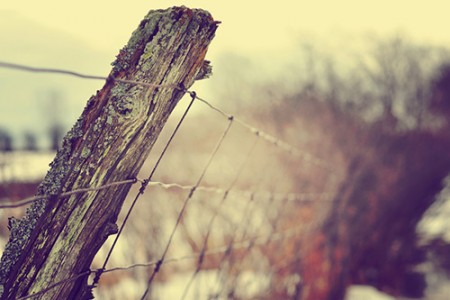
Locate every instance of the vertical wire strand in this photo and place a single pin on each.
(246, 221)
(142, 189)
(181, 214)
(225, 196)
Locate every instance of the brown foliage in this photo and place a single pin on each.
(389, 178)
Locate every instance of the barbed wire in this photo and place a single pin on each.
(257, 194)
(261, 194)
(266, 136)
(251, 195)
(271, 139)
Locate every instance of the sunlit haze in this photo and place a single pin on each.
(85, 36)
(246, 26)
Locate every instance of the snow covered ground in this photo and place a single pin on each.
(24, 166)
(27, 166)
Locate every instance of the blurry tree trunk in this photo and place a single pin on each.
(59, 236)
(370, 234)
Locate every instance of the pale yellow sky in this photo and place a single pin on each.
(85, 36)
(247, 25)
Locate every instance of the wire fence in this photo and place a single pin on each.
(243, 230)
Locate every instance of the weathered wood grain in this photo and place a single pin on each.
(59, 237)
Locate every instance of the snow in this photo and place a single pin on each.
(31, 166)
(206, 286)
(364, 292)
(24, 166)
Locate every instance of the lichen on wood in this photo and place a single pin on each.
(59, 236)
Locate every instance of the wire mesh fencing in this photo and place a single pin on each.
(217, 212)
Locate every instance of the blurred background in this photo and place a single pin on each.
(363, 90)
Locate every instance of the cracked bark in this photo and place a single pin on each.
(59, 236)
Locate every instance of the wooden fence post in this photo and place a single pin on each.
(59, 236)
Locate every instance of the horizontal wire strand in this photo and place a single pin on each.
(300, 197)
(268, 137)
(26, 68)
(77, 191)
(50, 287)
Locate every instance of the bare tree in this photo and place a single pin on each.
(30, 141)
(6, 141)
(371, 123)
